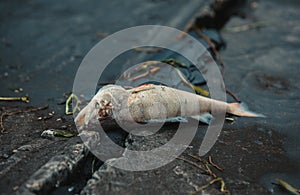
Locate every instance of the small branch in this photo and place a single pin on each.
(213, 164)
(194, 164)
(185, 31)
(219, 179)
(233, 95)
(151, 71)
(23, 99)
(208, 171)
(287, 186)
(218, 56)
(213, 47)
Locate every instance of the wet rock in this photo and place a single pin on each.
(49, 133)
(64, 127)
(5, 156)
(239, 152)
(173, 178)
(25, 148)
(57, 170)
(9, 164)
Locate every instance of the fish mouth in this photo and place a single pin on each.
(105, 109)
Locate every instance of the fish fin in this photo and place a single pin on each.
(241, 109)
(168, 120)
(204, 118)
(176, 119)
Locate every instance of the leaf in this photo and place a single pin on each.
(68, 102)
(287, 186)
(63, 134)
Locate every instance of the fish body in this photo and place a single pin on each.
(153, 102)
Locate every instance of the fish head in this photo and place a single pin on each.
(101, 106)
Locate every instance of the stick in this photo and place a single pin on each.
(23, 99)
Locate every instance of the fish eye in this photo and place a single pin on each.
(97, 105)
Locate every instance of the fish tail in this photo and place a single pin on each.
(241, 109)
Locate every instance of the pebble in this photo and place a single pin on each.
(25, 148)
(258, 142)
(58, 120)
(71, 189)
(64, 127)
(49, 133)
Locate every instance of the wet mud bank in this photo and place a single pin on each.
(261, 68)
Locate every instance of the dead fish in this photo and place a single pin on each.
(154, 102)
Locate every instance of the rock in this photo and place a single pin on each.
(25, 148)
(49, 133)
(56, 170)
(177, 177)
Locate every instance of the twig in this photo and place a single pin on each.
(185, 31)
(146, 64)
(222, 189)
(102, 35)
(208, 171)
(218, 56)
(213, 164)
(197, 89)
(206, 163)
(233, 95)
(198, 158)
(174, 62)
(4, 114)
(213, 47)
(148, 50)
(140, 68)
(192, 26)
(194, 164)
(151, 71)
(288, 187)
(23, 99)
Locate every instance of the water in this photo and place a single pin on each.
(263, 69)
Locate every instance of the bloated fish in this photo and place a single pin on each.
(154, 102)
